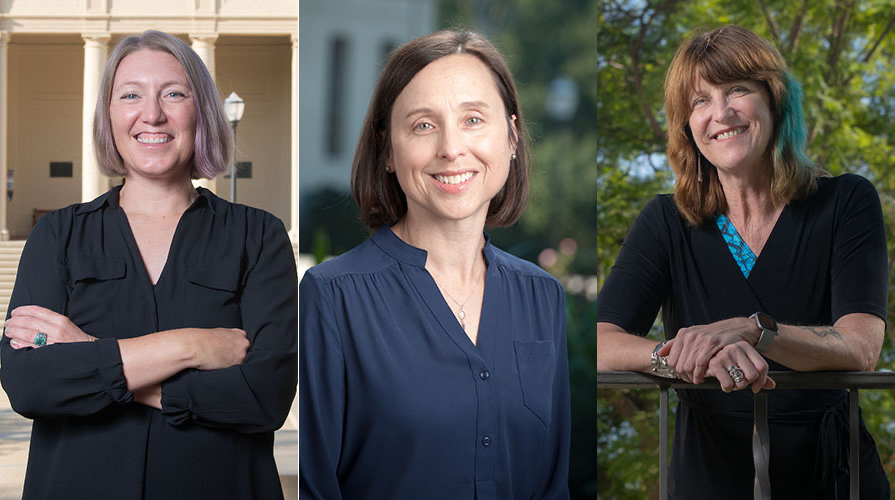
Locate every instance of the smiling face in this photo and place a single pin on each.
(450, 143)
(153, 115)
(732, 125)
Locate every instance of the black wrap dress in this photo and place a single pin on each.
(825, 258)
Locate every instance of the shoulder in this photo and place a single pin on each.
(844, 193)
(521, 270)
(661, 211)
(844, 184)
(366, 258)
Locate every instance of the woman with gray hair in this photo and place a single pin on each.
(152, 334)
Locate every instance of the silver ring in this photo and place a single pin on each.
(735, 373)
(40, 339)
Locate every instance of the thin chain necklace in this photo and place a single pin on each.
(461, 313)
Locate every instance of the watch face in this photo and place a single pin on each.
(767, 322)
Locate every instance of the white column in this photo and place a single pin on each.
(293, 232)
(203, 45)
(4, 130)
(96, 50)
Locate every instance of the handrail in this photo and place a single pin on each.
(760, 441)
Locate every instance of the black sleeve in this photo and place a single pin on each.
(859, 270)
(256, 395)
(78, 378)
(640, 279)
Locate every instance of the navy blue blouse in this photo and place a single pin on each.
(396, 402)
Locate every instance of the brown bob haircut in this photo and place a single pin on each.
(213, 147)
(375, 190)
(719, 56)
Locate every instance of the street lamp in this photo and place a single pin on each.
(234, 107)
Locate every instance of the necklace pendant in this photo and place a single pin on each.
(461, 314)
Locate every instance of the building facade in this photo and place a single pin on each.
(52, 53)
(344, 44)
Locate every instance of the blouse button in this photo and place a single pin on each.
(484, 374)
(486, 441)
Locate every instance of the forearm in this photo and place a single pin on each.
(852, 344)
(621, 351)
(150, 359)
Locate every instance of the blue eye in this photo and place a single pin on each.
(699, 101)
(423, 126)
(475, 120)
(129, 96)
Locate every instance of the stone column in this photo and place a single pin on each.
(4, 130)
(96, 50)
(293, 232)
(203, 45)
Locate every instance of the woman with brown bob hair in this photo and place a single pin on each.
(759, 262)
(152, 333)
(427, 355)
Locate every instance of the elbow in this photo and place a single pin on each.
(870, 362)
(866, 359)
(23, 402)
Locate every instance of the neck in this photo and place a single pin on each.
(452, 248)
(141, 197)
(749, 196)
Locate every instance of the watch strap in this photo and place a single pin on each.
(767, 334)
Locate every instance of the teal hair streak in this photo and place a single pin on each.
(792, 137)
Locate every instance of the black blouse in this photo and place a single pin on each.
(825, 258)
(228, 266)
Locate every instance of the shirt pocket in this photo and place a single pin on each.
(95, 283)
(536, 362)
(214, 294)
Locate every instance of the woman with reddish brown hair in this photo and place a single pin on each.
(434, 365)
(759, 262)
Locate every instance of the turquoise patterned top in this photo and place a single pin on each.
(741, 252)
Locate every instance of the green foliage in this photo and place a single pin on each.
(841, 52)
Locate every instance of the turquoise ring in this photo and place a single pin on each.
(40, 339)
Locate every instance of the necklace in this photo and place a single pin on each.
(461, 313)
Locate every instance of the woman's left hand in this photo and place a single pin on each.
(26, 322)
(690, 351)
(742, 357)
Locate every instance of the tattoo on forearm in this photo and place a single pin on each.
(823, 331)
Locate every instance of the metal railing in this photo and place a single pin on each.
(760, 441)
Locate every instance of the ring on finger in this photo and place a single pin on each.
(40, 339)
(735, 373)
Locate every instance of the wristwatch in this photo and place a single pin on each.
(768, 327)
(659, 364)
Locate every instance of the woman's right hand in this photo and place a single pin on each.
(215, 348)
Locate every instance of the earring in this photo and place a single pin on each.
(698, 167)
(514, 156)
(388, 168)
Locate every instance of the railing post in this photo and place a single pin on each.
(854, 456)
(663, 442)
(761, 447)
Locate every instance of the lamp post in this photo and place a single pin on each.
(234, 107)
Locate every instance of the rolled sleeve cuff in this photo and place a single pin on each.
(175, 405)
(108, 357)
